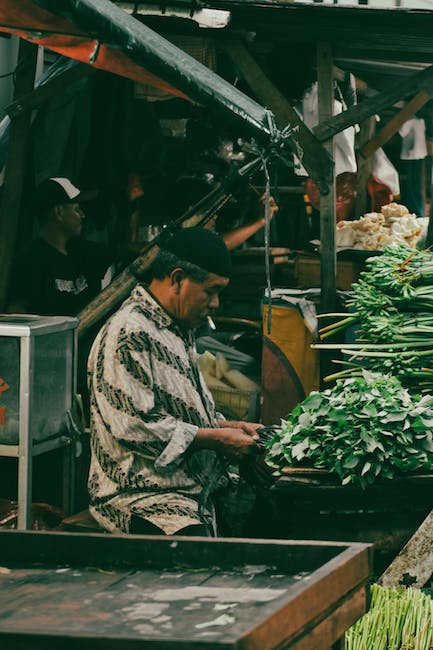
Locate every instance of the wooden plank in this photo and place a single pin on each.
(32, 100)
(316, 159)
(93, 602)
(30, 588)
(413, 566)
(145, 551)
(325, 492)
(15, 167)
(116, 291)
(395, 123)
(400, 90)
(330, 587)
(330, 630)
(344, 26)
(328, 256)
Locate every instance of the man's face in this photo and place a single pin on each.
(198, 300)
(71, 219)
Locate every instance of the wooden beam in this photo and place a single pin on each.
(15, 167)
(316, 159)
(328, 264)
(400, 90)
(395, 123)
(36, 97)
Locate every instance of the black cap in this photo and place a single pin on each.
(203, 248)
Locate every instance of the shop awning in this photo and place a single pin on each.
(99, 33)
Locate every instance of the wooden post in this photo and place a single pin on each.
(328, 272)
(367, 128)
(15, 166)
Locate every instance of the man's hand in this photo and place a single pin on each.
(273, 207)
(233, 442)
(247, 427)
(237, 444)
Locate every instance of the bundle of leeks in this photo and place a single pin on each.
(398, 619)
(391, 310)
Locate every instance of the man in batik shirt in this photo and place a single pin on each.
(158, 448)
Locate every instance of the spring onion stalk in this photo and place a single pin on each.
(398, 619)
(391, 308)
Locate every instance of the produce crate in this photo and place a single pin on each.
(237, 404)
(106, 592)
(311, 503)
(307, 271)
(249, 271)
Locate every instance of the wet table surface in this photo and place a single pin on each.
(62, 591)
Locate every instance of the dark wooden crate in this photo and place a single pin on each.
(61, 591)
(312, 504)
(307, 270)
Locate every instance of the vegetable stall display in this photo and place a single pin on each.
(376, 420)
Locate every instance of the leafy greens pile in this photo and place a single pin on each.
(363, 428)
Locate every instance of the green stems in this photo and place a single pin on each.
(398, 619)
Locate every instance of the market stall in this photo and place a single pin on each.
(357, 449)
(307, 501)
(265, 22)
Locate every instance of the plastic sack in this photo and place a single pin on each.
(379, 193)
(290, 367)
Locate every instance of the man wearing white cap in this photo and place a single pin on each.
(58, 273)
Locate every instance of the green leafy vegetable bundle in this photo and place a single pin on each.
(398, 619)
(392, 306)
(363, 428)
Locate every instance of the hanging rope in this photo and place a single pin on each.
(268, 240)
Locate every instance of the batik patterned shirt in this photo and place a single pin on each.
(148, 399)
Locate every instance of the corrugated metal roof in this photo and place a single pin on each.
(376, 33)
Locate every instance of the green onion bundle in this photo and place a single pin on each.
(398, 619)
(392, 311)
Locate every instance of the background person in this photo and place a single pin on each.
(238, 235)
(413, 153)
(58, 272)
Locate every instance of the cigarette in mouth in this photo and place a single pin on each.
(211, 323)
